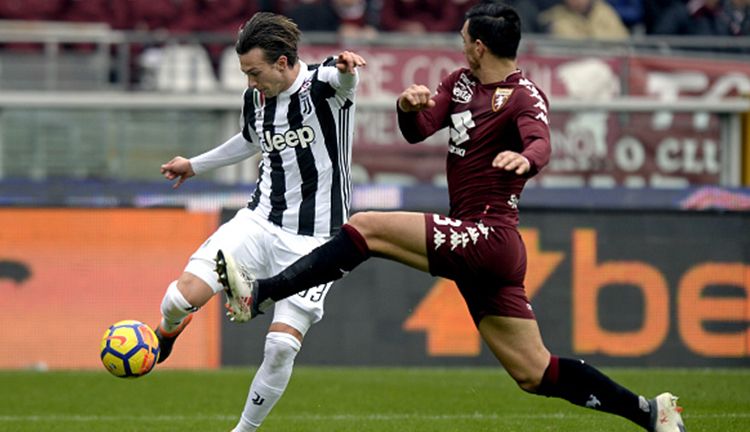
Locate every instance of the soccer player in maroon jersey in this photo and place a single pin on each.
(499, 138)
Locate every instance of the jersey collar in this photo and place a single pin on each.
(298, 81)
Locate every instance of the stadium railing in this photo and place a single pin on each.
(78, 102)
(111, 130)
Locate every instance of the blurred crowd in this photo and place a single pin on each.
(355, 19)
(602, 19)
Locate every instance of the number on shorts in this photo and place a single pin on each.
(316, 293)
(441, 220)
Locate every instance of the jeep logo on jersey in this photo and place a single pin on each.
(291, 138)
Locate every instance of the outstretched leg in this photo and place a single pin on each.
(517, 344)
(326, 263)
(398, 236)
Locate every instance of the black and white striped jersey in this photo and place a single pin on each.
(305, 134)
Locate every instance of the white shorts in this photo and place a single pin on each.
(263, 249)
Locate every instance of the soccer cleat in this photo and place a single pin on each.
(166, 339)
(665, 414)
(240, 288)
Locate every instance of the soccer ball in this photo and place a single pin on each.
(129, 349)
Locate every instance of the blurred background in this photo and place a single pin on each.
(638, 231)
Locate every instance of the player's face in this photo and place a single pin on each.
(470, 48)
(267, 77)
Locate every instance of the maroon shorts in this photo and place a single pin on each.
(488, 263)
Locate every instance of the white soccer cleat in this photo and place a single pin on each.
(239, 288)
(666, 414)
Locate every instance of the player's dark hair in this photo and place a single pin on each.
(497, 25)
(275, 34)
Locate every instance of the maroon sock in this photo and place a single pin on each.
(328, 262)
(583, 385)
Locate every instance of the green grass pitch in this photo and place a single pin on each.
(350, 399)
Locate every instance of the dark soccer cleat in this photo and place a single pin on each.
(665, 414)
(240, 288)
(166, 339)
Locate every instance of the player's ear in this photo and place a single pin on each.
(282, 63)
(481, 47)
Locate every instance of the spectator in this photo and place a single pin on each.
(29, 10)
(357, 18)
(90, 12)
(166, 16)
(312, 15)
(630, 11)
(215, 16)
(220, 16)
(738, 14)
(350, 18)
(705, 18)
(161, 18)
(528, 11)
(420, 16)
(584, 19)
(654, 10)
(87, 11)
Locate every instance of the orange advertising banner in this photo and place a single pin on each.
(67, 274)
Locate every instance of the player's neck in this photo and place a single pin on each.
(492, 70)
(291, 77)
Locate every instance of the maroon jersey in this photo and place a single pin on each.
(484, 120)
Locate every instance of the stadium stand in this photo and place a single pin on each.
(184, 68)
(116, 50)
(229, 78)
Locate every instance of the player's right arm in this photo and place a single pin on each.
(232, 151)
(178, 168)
(415, 98)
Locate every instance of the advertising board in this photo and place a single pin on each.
(67, 274)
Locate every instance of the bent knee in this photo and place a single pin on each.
(364, 222)
(529, 384)
(280, 349)
(528, 377)
(194, 289)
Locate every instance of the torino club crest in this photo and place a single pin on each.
(500, 97)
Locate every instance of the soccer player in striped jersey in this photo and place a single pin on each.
(300, 117)
(499, 138)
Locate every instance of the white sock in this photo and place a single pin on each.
(270, 381)
(174, 308)
(244, 426)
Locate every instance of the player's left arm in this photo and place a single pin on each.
(347, 63)
(536, 143)
(344, 77)
(535, 154)
(533, 127)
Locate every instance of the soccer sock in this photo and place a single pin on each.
(174, 308)
(583, 385)
(328, 262)
(270, 381)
